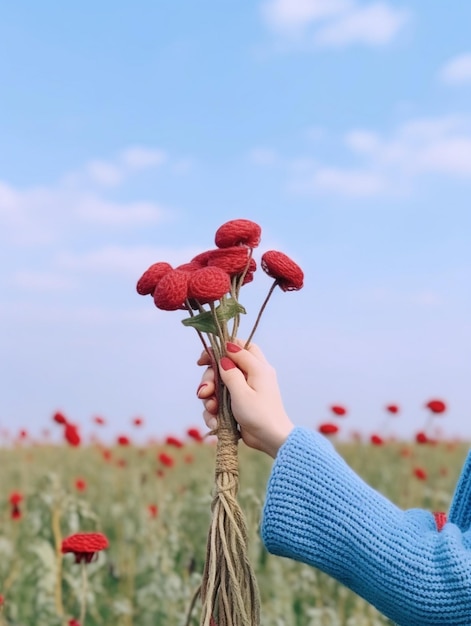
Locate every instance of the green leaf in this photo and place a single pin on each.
(205, 322)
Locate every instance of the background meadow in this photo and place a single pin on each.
(153, 504)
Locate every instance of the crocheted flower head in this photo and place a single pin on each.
(71, 435)
(238, 232)
(208, 284)
(84, 545)
(436, 406)
(286, 272)
(171, 291)
(148, 281)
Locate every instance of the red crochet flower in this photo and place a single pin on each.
(202, 258)
(174, 441)
(238, 232)
(71, 435)
(421, 437)
(232, 260)
(338, 410)
(147, 282)
(171, 291)
(289, 275)
(420, 473)
(328, 429)
(84, 545)
(59, 418)
(153, 510)
(376, 440)
(15, 498)
(436, 406)
(80, 484)
(208, 284)
(195, 434)
(166, 459)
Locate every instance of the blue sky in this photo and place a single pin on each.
(130, 132)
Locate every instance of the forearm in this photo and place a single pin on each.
(320, 512)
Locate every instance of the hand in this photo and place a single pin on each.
(255, 397)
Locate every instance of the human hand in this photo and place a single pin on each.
(255, 397)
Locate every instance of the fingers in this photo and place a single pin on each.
(251, 362)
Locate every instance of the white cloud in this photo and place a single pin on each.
(41, 214)
(285, 15)
(139, 157)
(388, 163)
(131, 261)
(375, 24)
(343, 182)
(334, 23)
(457, 70)
(104, 173)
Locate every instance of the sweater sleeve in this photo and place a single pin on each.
(320, 512)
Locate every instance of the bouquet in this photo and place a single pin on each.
(208, 288)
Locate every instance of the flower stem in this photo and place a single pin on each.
(84, 591)
(259, 316)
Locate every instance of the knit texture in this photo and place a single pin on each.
(320, 512)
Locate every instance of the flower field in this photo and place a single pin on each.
(153, 503)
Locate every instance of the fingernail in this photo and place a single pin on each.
(232, 347)
(227, 363)
(200, 388)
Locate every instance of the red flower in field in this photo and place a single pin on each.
(71, 434)
(420, 473)
(153, 510)
(238, 232)
(286, 272)
(376, 440)
(138, 421)
(80, 484)
(121, 463)
(16, 513)
(392, 408)
(2, 600)
(73, 622)
(195, 434)
(174, 441)
(84, 545)
(15, 498)
(328, 429)
(23, 434)
(59, 418)
(166, 459)
(122, 440)
(171, 291)
(208, 284)
(338, 410)
(440, 519)
(189, 458)
(232, 260)
(106, 454)
(148, 281)
(421, 437)
(99, 420)
(436, 406)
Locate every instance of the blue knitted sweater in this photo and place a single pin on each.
(318, 511)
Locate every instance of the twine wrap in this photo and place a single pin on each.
(229, 591)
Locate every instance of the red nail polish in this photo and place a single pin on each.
(232, 347)
(227, 363)
(200, 388)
